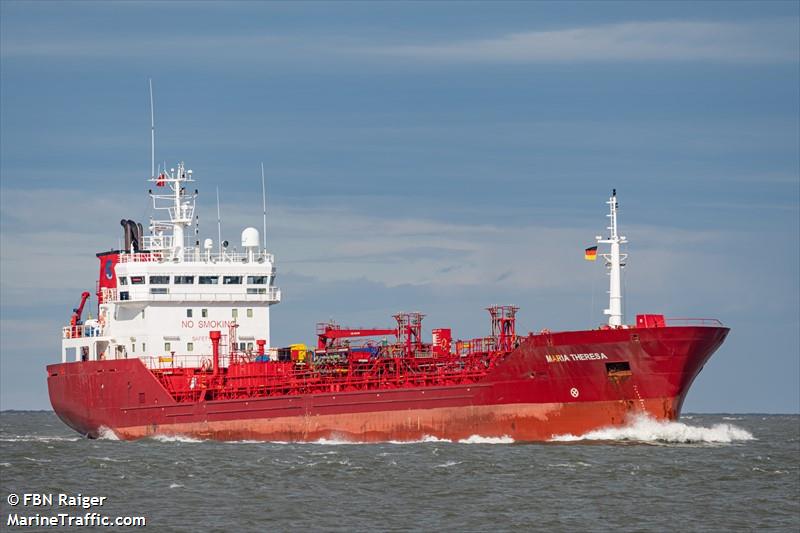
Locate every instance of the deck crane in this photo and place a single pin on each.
(75, 320)
(329, 332)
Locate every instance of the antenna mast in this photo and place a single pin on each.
(264, 203)
(152, 134)
(219, 224)
(614, 263)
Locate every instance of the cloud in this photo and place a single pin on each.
(334, 245)
(765, 42)
(770, 41)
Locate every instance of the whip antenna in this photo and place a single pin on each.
(152, 134)
(219, 225)
(264, 203)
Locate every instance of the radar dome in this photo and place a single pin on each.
(250, 238)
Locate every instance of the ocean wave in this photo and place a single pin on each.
(448, 464)
(109, 459)
(38, 438)
(646, 429)
(568, 465)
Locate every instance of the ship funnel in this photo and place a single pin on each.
(133, 231)
(127, 231)
(140, 234)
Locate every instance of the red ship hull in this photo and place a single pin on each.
(551, 384)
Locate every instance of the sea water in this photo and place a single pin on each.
(704, 473)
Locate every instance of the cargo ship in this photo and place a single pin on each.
(181, 346)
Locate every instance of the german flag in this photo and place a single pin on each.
(590, 254)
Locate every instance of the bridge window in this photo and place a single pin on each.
(167, 346)
(232, 280)
(143, 348)
(209, 280)
(137, 280)
(256, 291)
(158, 290)
(188, 313)
(123, 281)
(204, 313)
(235, 313)
(124, 295)
(249, 313)
(184, 280)
(159, 280)
(257, 280)
(189, 346)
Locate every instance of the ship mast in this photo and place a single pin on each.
(179, 205)
(614, 263)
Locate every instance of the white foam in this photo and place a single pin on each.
(105, 433)
(38, 438)
(332, 442)
(477, 439)
(646, 429)
(110, 460)
(448, 464)
(569, 465)
(174, 438)
(175, 486)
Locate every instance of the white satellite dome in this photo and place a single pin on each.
(250, 238)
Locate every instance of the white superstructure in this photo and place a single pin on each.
(161, 295)
(614, 263)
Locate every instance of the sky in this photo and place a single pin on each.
(437, 157)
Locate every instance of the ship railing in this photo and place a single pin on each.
(139, 257)
(108, 294)
(83, 330)
(192, 254)
(479, 345)
(167, 361)
(271, 294)
(709, 322)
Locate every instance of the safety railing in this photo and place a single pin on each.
(194, 254)
(83, 330)
(272, 294)
(167, 361)
(711, 322)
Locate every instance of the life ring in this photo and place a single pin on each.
(205, 365)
